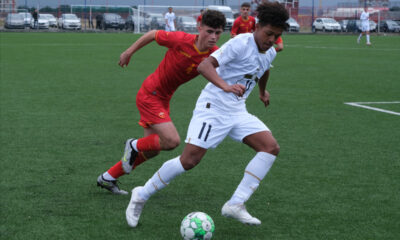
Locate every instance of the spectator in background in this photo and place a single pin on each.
(99, 17)
(244, 23)
(170, 20)
(35, 19)
(200, 17)
(364, 26)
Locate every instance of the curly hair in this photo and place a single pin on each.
(214, 19)
(272, 13)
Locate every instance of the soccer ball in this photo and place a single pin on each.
(197, 225)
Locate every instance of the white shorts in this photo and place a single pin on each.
(365, 27)
(170, 29)
(209, 127)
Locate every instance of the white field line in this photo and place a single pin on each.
(361, 105)
(343, 48)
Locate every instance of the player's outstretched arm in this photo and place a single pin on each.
(262, 85)
(207, 69)
(147, 38)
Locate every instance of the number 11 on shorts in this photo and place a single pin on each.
(202, 131)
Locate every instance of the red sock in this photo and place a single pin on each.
(116, 171)
(139, 160)
(149, 143)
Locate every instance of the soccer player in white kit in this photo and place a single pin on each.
(364, 17)
(233, 72)
(170, 20)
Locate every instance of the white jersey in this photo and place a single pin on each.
(170, 17)
(240, 62)
(364, 18)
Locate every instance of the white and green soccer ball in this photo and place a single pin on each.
(197, 225)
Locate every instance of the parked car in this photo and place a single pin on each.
(373, 26)
(227, 11)
(326, 24)
(43, 23)
(112, 20)
(14, 20)
(52, 20)
(354, 26)
(155, 21)
(293, 25)
(130, 23)
(187, 24)
(27, 18)
(343, 25)
(69, 21)
(389, 26)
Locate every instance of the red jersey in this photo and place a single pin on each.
(179, 64)
(243, 26)
(279, 40)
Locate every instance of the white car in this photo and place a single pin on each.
(27, 18)
(326, 24)
(293, 25)
(52, 20)
(69, 21)
(42, 23)
(227, 11)
(14, 20)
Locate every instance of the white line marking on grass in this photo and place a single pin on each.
(344, 48)
(361, 105)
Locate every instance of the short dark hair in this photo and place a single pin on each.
(272, 13)
(245, 4)
(214, 19)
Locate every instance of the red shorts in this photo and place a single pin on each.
(152, 108)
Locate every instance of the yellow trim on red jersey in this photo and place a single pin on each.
(198, 51)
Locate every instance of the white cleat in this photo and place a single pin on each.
(239, 213)
(134, 208)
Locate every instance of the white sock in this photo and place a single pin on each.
(368, 38)
(108, 177)
(168, 171)
(134, 145)
(359, 37)
(255, 171)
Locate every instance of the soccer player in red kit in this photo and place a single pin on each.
(198, 20)
(185, 52)
(244, 23)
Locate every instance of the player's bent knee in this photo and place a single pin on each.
(171, 143)
(273, 149)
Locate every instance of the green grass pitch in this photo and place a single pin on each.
(67, 108)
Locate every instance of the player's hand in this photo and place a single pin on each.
(236, 89)
(124, 59)
(265, 98)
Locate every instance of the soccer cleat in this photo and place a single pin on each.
(129, 157)
(134, 208)
(368, 43)
(239, 212)
(111, 186)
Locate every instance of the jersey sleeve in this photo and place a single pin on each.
(169, 39)
(253, 28)
(228, 52)
(235, 26)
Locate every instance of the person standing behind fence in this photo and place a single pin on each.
(244, 23)
(200, 17)
(35, 19)
(99, 17)
(170, 20)
(364, 26)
